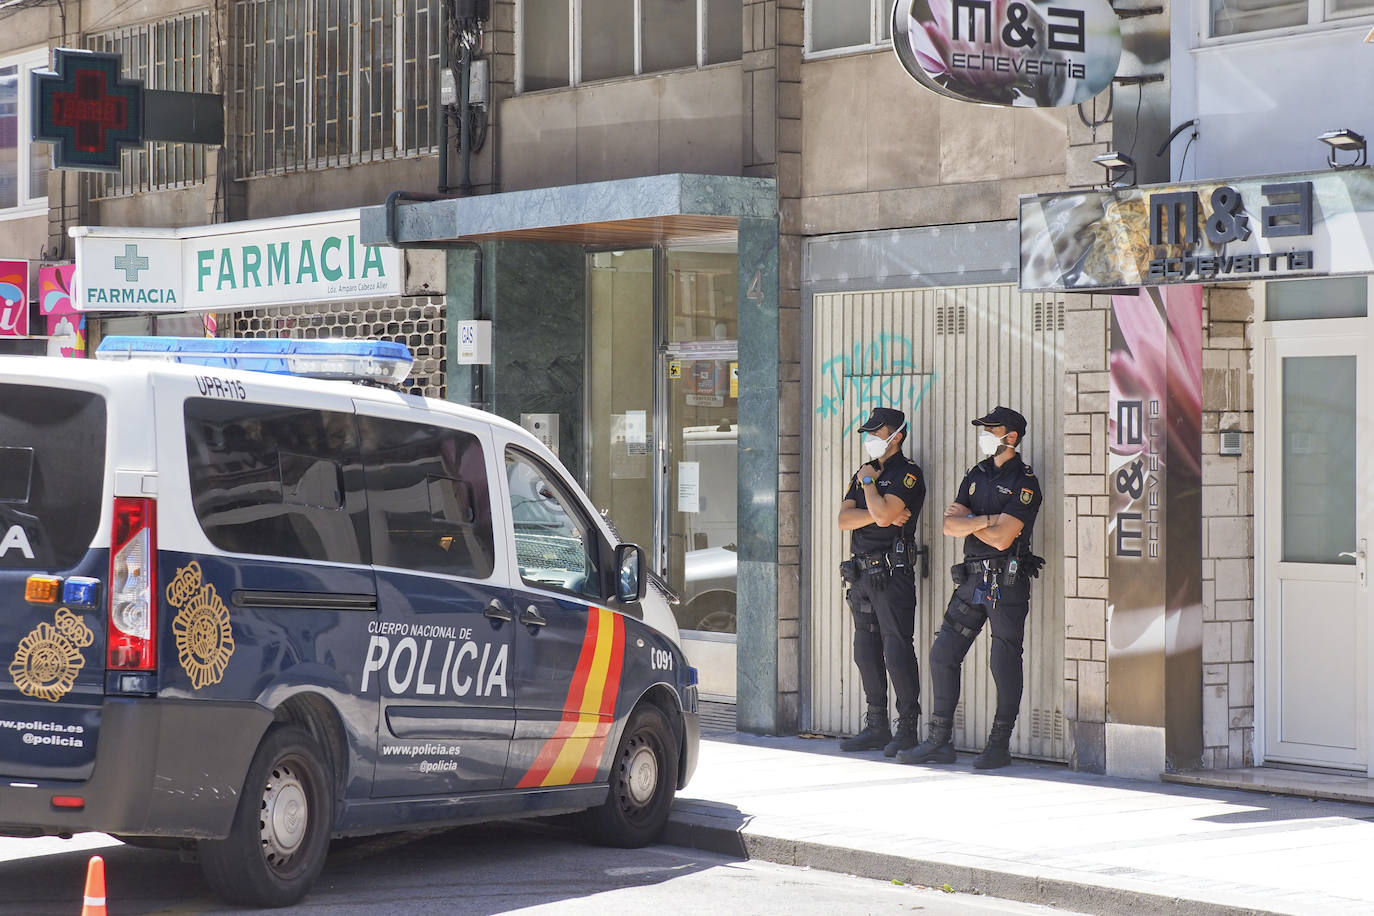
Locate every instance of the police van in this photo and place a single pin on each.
(243, 612)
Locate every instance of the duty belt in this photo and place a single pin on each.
(886, 552)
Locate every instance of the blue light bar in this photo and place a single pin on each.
(79, 591)
(380, 361)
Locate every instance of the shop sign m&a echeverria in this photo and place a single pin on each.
(1280, 227)
(317, 257)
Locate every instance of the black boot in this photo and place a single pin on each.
(907, 734)
(875, 734)
(997, 753)
(937, 748)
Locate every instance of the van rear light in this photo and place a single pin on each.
(133, 578)
(42, 589)
(68, 801)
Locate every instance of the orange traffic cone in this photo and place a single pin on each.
(95, 888)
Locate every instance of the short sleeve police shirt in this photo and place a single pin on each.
(902, 478)
(1011, 490)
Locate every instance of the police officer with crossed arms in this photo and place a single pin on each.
(994, 513)
(881, 510)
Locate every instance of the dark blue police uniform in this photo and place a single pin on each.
(990, 584)
(986, 593)
(882, 599)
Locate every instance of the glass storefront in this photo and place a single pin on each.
(662, 449)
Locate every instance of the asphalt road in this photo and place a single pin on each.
(481, 870)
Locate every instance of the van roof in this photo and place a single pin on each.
(101, 375)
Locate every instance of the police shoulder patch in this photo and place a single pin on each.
(909, 481)
(972, 487)
(1027, 494)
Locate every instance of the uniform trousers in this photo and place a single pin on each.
(964, 618)
(884, 610)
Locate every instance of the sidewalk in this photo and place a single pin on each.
(1032, 832)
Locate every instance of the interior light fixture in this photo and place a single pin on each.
(1117, 165)
(1344, 140)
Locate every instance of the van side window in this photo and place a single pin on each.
(554, 544)
(277, 481)
(428, 498)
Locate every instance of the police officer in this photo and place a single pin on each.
(881, 510)
(995, 514)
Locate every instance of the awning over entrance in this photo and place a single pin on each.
(626, 213)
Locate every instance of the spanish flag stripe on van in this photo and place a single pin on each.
(591, 757)
(549, 752)
(588, 710)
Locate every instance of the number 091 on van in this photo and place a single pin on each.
(250, 605)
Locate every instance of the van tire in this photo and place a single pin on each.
(643, 783)
(272, 861)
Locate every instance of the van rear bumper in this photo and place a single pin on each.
(169, 768)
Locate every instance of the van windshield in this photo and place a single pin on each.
(52, 473)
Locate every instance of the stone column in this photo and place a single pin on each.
(761, 504)
(1228, 534)
(1086, 385)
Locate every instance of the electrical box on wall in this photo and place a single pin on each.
(1230, 442)
(478, 78)
(474, 343)
(544, 426)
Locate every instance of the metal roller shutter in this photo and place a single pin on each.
(944, 356)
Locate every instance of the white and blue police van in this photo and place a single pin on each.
(244, 611)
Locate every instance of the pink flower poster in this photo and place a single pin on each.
(66, 326)
(14, 298)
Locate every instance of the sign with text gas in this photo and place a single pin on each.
(231, 266)
(1023, 53)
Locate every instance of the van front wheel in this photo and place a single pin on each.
(280, 834)
(643, 782)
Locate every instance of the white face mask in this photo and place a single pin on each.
(988, 443)
(875, 447)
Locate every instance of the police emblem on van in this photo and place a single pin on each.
(204, 637)
(49, 658)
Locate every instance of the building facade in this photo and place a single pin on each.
(710, 236)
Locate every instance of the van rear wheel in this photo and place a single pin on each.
(643, 783)
(280, 834)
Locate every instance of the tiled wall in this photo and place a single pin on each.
(1086, 386)
(1228, 532)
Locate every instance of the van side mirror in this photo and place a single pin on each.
(630, 581)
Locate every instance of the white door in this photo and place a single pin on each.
(1316, 520)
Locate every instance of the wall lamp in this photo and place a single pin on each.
(1344, 140)
(1117, 165)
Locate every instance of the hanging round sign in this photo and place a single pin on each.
(1018, 53)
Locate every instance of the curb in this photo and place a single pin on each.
(696, 829)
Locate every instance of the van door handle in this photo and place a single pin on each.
(531, 617)
(497, 613)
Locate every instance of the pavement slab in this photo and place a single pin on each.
(1034, 832)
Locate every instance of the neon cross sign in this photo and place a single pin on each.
(86, 110)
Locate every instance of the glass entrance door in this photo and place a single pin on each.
(662, 450)
(1316, 521)
(699, 403)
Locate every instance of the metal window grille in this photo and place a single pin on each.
(172, 54)
(417, 322)
(335, 82)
